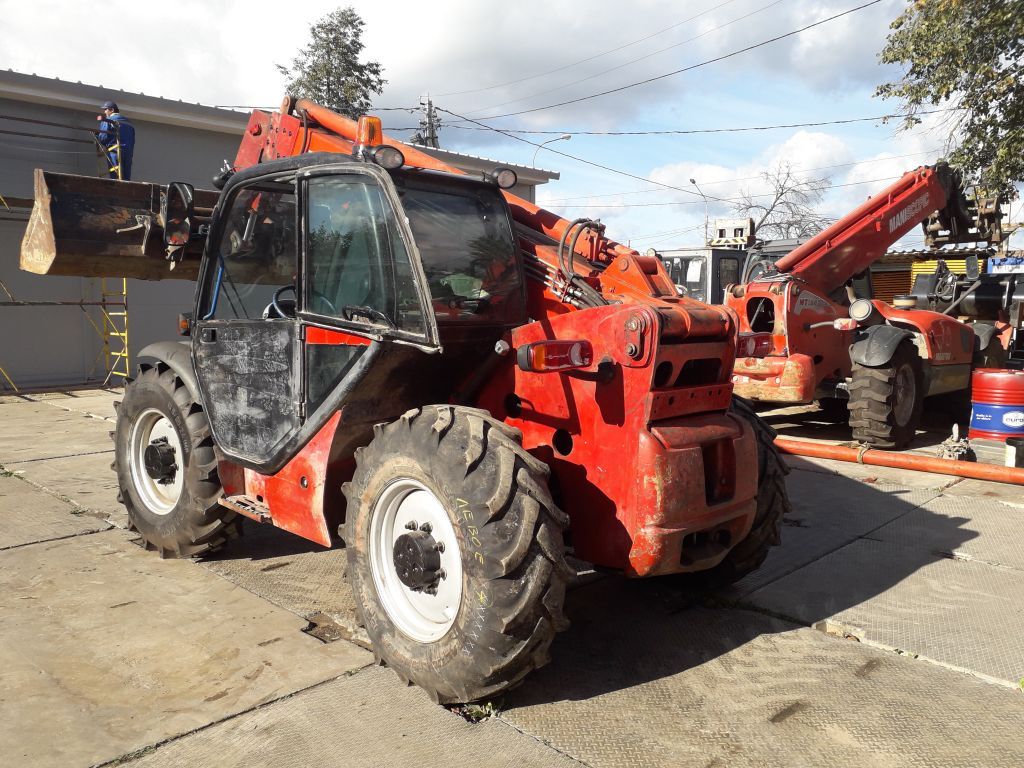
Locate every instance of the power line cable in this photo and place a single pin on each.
(719, 199)
(633, 61)
(589, 58)
(691, 67)
(579, 159)
(691, 131)
(749, 178)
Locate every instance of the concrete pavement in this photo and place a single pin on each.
(885, 631)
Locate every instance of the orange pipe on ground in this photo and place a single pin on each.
(992, 472)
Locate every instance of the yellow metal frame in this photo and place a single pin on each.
(115, 327)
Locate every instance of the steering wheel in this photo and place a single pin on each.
(332, 310)
(276, 305)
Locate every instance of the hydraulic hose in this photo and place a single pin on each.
(992, 472)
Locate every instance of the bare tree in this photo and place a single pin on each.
(788, 208)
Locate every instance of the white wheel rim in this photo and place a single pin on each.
(421, 616)
(906, 392)
(160, 497)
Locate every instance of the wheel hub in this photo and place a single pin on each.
(160, 461)
(417, 560)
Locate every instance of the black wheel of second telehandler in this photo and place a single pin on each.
(886, 402)
(772, 506)
(455, 552)
(166, 467)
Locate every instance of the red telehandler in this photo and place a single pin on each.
(455, 383)
(816, 340)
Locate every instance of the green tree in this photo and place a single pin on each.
(328, 70)
(966, 55)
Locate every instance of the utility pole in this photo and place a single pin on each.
(430, 125)
(706, 241)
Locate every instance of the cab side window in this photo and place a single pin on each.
(256, 254)
(358, 266)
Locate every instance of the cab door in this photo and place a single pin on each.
(363, 285)
(245, 338)
(309, 277)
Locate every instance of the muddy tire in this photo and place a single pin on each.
(772, 506)
(886, 402)
(166, 467)
(472, 617)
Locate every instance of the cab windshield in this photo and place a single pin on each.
(464, 237)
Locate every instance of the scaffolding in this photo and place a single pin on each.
(112, 330)
(111, 324)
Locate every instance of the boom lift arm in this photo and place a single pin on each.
(859, 239)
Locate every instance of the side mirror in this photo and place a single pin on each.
(176, 214)
(972, 267)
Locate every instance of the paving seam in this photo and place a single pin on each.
(913, 655)
(73, 410)
(135, 754)
(55, 538)
(63, 456)
(539, 740)
(97, 513)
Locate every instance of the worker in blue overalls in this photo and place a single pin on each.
(117, 136)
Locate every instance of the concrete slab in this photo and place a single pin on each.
(86, 481)
(636, 682)
(34, 431)
(981, 489)
(965, 615)
(829, 511)
(996, 528)
(29, 515)
(856, 505)
(105, 649)
(290, 572)
(368, 719)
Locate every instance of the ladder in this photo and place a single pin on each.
(114, 305)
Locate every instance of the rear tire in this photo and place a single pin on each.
(166, 467)
(483, 612)
(886, 402)
(772, 506)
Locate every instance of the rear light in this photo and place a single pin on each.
(753, 344)
(546, 356)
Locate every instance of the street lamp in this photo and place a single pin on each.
(563, 137)
(694, 182)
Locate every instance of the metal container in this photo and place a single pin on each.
(997, 400)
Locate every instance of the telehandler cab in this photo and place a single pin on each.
(459, 386)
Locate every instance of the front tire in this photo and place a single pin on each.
(455, 552)
(166, 467)
(886, 402)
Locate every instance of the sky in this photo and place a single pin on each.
(480, 61)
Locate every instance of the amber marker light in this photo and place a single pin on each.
(548, 356)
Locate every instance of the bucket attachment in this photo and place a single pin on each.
(83, 226)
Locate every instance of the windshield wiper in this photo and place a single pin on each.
(352, 311)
